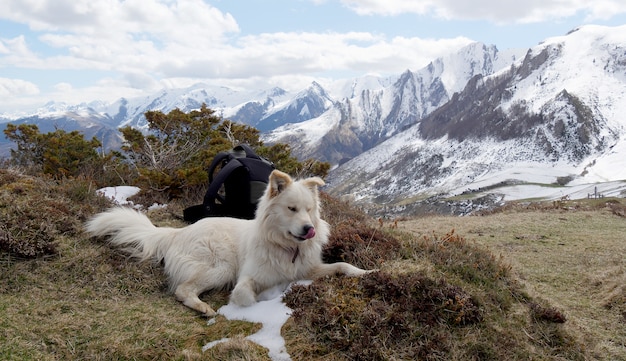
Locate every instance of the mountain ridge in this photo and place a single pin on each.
(472, 119)
(373, 115)
(543, 120)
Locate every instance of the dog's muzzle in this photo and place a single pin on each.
(308, 232)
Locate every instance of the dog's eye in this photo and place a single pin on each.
(293, 209)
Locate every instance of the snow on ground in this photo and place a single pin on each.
(271, 312)
(309, 131)
(530, 191)
(604, 176)
(609, 166)
(119, 194)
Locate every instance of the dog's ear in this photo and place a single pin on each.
(313, 182)
(278, 182)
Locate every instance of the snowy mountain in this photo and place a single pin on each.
(98, 117)
(477, 119)
(62, 116)
(229, 102)
(554, 117)
(307, 104)
(347, 117)
(367, 115)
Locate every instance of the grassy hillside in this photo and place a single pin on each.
(570, 253)
(493, 287)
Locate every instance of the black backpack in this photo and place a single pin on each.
(236, 189)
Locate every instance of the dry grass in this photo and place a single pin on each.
(35, 212)
(441, 297)
(380, 315)
(80, 299)
(570, 254)
(439, 294)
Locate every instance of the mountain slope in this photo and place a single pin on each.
(474, 119)
(99, 117)
(364, 118)
(550, 117)
(307, 104)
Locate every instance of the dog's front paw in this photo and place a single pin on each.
(355, 272)
(208, 311)
(243, 296)
(362, 272)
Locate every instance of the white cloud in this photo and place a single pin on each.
(15, 51)
(142, 45)
(106, 89)
(496, 11)
(390, 7)
(129, 35)
(10, 88)
(140, 81)
(102, 18)
(63, 87)
(187, 38)
(279, 54)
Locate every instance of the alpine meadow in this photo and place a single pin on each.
(486, 191)
(531, 280)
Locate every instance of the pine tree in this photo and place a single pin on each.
(174, 155)
(58, 153)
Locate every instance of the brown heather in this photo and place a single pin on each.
(540, 281)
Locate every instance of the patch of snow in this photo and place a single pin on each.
(308, 132)
(119, 194)
(304, 111)
(609, 166)
(271, 312)
(530, 191)
(157, 206)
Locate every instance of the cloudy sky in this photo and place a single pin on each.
(81, 50)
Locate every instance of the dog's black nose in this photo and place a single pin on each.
(306, 229)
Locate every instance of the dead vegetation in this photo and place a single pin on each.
(438, 298)
(35, 212)
(569, 256)
(378, 317)
(439, 294)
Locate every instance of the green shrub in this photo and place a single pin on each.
(173, 157)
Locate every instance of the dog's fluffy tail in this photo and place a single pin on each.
(133, 231)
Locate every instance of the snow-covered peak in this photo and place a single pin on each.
(552, 117)
(590, 34)
(370, 109)
(351, 88)
(589, 62)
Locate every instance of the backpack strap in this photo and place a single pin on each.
(219, 158)
(216, 183)
(208, 207)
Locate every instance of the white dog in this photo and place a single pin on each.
(282, 244)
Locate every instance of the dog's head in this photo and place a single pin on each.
(292, 209)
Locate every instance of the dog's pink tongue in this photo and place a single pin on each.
(310, 233)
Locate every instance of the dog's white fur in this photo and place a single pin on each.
(276, 247)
